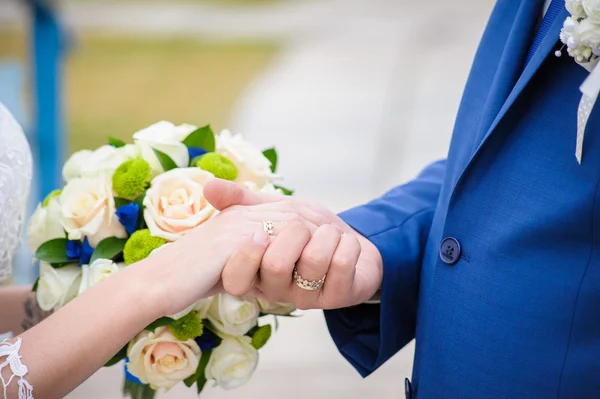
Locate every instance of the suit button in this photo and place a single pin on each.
(450, 251)
(408, 391)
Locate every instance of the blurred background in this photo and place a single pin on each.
(357, 96)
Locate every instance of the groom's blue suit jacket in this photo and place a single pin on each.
(518, 314)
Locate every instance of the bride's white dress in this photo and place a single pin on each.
(15, 183)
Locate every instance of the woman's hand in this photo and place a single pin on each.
(190, 268)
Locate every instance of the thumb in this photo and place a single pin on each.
(222, 194)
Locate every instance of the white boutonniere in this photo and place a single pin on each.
(581, 35)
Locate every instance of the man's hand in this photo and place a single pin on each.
(317, 244)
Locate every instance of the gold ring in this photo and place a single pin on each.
(306, 284)
(268, 227)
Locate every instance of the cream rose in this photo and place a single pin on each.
(56, 287)
(159, 359)
(105, 159)
(45, 224)
(88, 209)
(232, 315)
(592, 10)
(252, 165)
(164, 137)
(575, 8)
(99, 270)
(175, 202)
(232, 363)
(278, 308)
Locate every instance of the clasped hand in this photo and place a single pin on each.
(305, 238)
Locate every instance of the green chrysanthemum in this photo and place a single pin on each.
(189, 326)
(140, 245)
(53, 194)
(131, 178)
(219, 165)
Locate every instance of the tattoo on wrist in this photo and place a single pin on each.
(33, 313)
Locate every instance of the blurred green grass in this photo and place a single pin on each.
(117, 85)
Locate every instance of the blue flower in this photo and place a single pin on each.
(86, 252)
(196, 152)
(81, 251)
(73, 249)
(208, 340)
(130, 377)
(128, 216)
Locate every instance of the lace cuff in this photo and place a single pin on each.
(9, 357)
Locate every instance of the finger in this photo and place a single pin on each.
(295, 207)
(314, 263)
(222, 194)
(341, 274)
(240, 272)
(278, 262)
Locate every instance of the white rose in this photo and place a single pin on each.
(164, 137)
(268, 188)
(278, 308)
(588, 34)
(72, 168)
(88, 209)
(232, 363)
(232, 315)
(575, 8)
(105, 159)
(99, 270)
(592, 10)
(159, 359)
(56, 287)
(252, 165)
(45, 224)
(200, 307)
(175, 202)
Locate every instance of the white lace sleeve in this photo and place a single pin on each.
(11, 369)
(15, 182)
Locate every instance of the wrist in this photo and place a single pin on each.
(145, 292)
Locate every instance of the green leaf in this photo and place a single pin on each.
(271, 155)
(141, 224)
(202, 137)
(138, 391)
(286, 191)
(109, 248)
(35, 285)
(261, 336)
(115, 142)
(119, 202)
(201, 380)
(53, 252)
(120, 355)
(199, 370)
(165, 161)
(162, 322)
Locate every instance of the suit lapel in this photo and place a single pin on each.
(511, 62)
(536, 61)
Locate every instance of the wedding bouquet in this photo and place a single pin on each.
(118, 205)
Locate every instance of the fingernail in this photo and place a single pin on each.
(260, 237)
